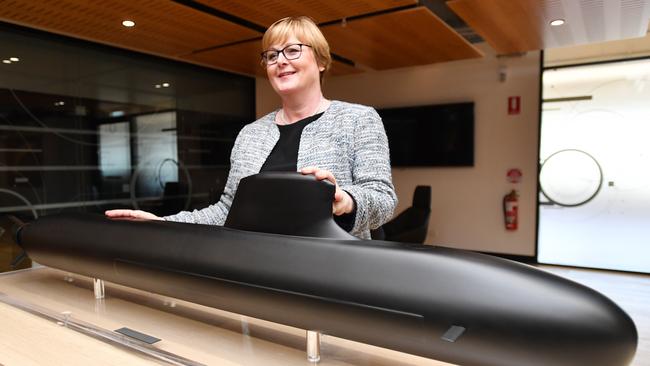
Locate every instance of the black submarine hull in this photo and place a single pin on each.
(398, 296)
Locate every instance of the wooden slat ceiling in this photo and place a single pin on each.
(524, 25)
(162, 27)
(265, 12)
(340, 68)
(244, 58)
(227, 38)
(398, 39)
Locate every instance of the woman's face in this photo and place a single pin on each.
(288, 77)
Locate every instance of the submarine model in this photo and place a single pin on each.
(282, 258)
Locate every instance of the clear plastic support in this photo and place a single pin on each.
(65, 319)
(98, 286)
(313, 346)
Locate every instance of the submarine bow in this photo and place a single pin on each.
(452, 305)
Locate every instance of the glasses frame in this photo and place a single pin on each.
(264, 62)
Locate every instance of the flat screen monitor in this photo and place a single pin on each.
(431, 135)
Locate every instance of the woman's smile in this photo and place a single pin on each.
(286, 73)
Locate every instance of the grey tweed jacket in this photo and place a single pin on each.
(348, 140)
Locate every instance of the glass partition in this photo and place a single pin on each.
(86, 127)
(594, 177)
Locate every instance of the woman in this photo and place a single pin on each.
(342, 142)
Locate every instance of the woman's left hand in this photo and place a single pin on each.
(343, 203)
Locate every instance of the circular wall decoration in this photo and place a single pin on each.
(139, 168)
(570, 178)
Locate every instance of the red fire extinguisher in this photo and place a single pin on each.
(510, 210)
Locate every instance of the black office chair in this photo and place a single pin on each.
(411, 225)
(9, 224)
(174, 199)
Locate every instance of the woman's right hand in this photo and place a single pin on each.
(132, 214)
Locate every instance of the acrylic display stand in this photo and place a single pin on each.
(53, 317)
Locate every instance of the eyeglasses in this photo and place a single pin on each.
(290, 52)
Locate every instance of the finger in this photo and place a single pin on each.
(144, 215)
(337, 209)
(118, 213)
(322, 174)
(308, 170)
(338, 195)
(326, 174)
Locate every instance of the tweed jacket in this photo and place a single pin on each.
(348, 140)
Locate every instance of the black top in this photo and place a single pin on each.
(284, 158)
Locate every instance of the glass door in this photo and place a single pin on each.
(595, 166)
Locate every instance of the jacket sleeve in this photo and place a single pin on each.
(217, 213)
(372, 186)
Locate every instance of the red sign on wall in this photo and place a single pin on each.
(514, 175)
(514, 105)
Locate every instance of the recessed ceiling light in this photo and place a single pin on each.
(14, 59)
(158, 86)
(557, 22)
(128, 23)
(165, 85)
(59, 103)
(6, 61)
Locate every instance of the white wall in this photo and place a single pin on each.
(466, 202)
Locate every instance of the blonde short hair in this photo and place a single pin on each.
(306, 31)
